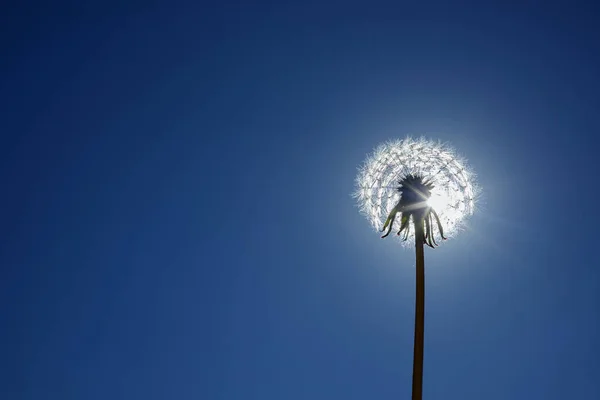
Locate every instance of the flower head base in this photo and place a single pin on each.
(414, 193)
(434, 184)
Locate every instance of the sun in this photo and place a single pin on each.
(443, 201)
(438, 201)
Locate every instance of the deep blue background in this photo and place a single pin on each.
(175, 213)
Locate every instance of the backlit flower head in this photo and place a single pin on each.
(442, 181)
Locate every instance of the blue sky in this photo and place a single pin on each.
(177, 223)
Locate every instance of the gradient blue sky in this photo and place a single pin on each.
(176, 219)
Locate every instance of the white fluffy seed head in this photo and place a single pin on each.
(453, 196)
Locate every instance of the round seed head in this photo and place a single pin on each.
(442, 179)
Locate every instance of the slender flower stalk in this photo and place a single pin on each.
(417, 383)
(434, 190)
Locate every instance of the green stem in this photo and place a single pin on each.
(417, 384)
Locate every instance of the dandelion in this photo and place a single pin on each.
(433, 190)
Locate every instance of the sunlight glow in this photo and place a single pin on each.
(453, 196)
(438, 201)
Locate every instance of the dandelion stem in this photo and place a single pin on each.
(417, 384)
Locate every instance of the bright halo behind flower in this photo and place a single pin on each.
(454, 193)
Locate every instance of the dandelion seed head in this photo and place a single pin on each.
(454, 191)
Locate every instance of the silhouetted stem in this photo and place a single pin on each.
(417, 385)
